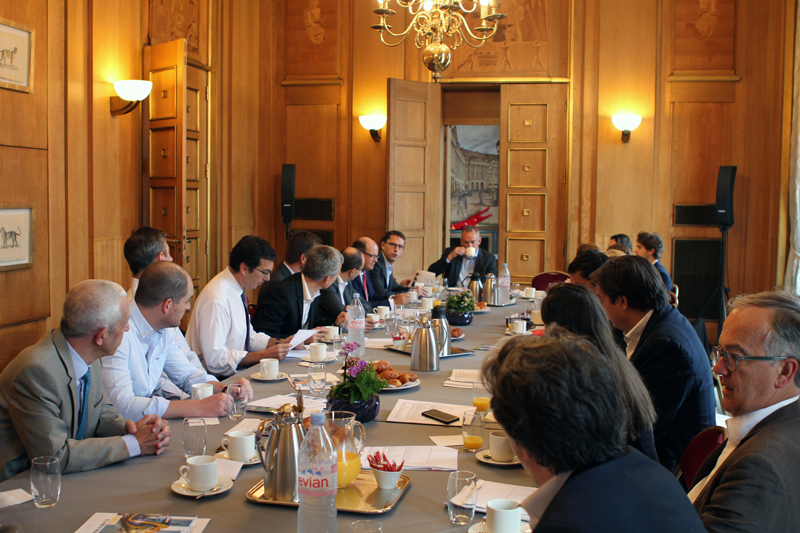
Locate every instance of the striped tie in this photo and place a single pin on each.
(83, 412)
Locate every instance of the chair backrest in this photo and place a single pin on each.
(697, 452)
(540, 282)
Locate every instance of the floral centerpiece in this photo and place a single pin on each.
(359, 388)
(459, 308)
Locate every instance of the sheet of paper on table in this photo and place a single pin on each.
(378, 343)
(462, 378)
(108, 522)
(490, 490)
(273, 402)
(13, 497)
(247, 424)
(301, 336)
(228, 468)
(410, 412)
(415, 457)
(448, 440)
(297, 354)
(300, 381)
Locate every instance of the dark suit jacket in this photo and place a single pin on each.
(374, 300)
(330, 305)
(278, 275)
(378, 278)
(485, 263)
(677, 373)
(664, 276)
(628, 494)
(39, 412)
(757, 488)
(280, 312)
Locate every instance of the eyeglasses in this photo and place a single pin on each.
(370, 255)
(264, 273)
(396, 246)
(732, 360)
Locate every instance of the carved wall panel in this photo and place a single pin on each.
(312, 38)
(181, 19)
(704, 35)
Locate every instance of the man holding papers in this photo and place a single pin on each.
(570, 438)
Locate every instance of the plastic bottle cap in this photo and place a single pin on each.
(318, 418)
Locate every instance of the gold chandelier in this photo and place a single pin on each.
(435, 20)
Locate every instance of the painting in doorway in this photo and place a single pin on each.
(474, 174)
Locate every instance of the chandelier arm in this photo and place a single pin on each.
(463, 24)
(398, 43)
(414, 25)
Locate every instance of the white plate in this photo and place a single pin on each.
(485, 456)
(478, 528)
(509, 332)
(223, 485)
(257, 376)
(380, 325)
(458, 338)
(330, 359)
(481, 311)
(409, 385)
(224, 455)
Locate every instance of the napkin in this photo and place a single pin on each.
(448, 440)
(229, 469)
(13, 497)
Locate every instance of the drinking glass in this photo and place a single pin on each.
(515, 290)
(480, 397)
(365, 526)
(472, 428)
(316, 377)
(194, 437)
(238, 394)
(338, 342)
(462, 496)
(45, 481)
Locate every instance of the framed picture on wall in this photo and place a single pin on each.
(17, 225)
(16, 56)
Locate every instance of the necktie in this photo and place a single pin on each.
(364, 282)
(83, 412)
(247, 321)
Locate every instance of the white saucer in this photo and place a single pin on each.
(484, 310)
(509, 332)
(257, 376)
(478, 528)
(307, 359)
(409, 385)
(223, 485)
(380, 325)
(224, 455)
(485, 456)
(458, 338)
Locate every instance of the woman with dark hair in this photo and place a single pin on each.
(576, 309)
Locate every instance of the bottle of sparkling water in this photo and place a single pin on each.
(316, 482)
(355, 325)
(504, 285)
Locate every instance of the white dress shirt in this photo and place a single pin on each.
(80, 369)
(536, 504)
(308, 299)
(738, 428)
(467, 268)
(632, 337)
(340, 286)
(218, 326)
(132, 375)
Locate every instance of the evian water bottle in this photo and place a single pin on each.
(504, 284)
(316, 482)
(355, 325)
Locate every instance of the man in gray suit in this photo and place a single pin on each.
(334, 300)
(52, 399)
(750, 482)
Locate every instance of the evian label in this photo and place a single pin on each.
(504, 282)
(317, 481)
(356, 322)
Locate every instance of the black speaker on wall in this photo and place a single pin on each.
(725, 180)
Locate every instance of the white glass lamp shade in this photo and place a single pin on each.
(372, 122)
(626, 122)
(133, 90)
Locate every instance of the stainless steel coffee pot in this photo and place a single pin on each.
(441, 330)
(490, 293)
(279, 459)
(424, 349)
(476, 287)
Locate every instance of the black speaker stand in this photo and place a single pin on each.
(288, 222)
(721, 291)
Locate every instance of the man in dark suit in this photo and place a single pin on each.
(292, 304)
(334, 300)
(651, 247)
(392, 245)
(570, 439)
(362, 284)
(664, 348)
(52, 399)
(297, 248)
(460, 262)
(750, 482)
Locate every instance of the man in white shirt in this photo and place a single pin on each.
(152, 346)
(558, 400)
(297, 247)
(750, 482)
(458, 267)
(219, 329)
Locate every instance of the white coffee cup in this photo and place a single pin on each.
(530, 292)
(427, 303)
(518, 326)
(202, 390)
(500, 447)
(539, 295)
(269, 368)
(240, 445)
(472, 251)
(374, 317)
(200, 472)
(503, 516)
(383, 310)
(331, 332)
(536, 318)
(413, 295)
(317, 351)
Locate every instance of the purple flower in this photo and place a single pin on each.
(350, 346)
(356, 368)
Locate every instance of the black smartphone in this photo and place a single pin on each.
(441, 416)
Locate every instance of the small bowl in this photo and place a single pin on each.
(386, 480)
(400, 344)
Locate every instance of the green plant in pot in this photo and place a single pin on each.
(359, 388)
(459, 308)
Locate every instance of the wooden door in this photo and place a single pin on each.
(533, 184)
(414, 133)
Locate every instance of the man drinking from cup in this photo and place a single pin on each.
(459, 263)
(151, 346)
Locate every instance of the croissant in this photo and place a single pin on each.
(404, 378)
(382, 366)
(456, 332)
(389, 374)
(411, 376)
(395, 382)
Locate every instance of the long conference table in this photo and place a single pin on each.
(142, 484)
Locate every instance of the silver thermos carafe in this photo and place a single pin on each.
(490, 293)
(476, 287)
(441, 330)
(283, 447)
(424, 349)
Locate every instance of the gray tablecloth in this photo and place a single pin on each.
(142, 484)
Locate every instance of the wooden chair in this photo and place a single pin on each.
(540, 282)
(696, 453)
(673, 296)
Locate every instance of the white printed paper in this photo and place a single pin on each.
(490, 490)
(415, 457)
(273, 402)
(247, 424)
(13, 497)
(448, 440)
(301, 336)
(410, 412)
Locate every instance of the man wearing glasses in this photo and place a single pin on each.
(334, 300)
(459, 263)
(219, 330)
(750, 482)
(393, 245)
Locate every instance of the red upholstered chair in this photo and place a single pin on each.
(696, 453)
(540, 282)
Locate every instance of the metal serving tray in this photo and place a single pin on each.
(454, 352)
(363, 496)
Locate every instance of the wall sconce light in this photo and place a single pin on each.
(129, 94)
(626, 124)
(373, 123)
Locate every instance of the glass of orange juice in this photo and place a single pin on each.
(480, 397)
(348, 466)
(472, 429)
